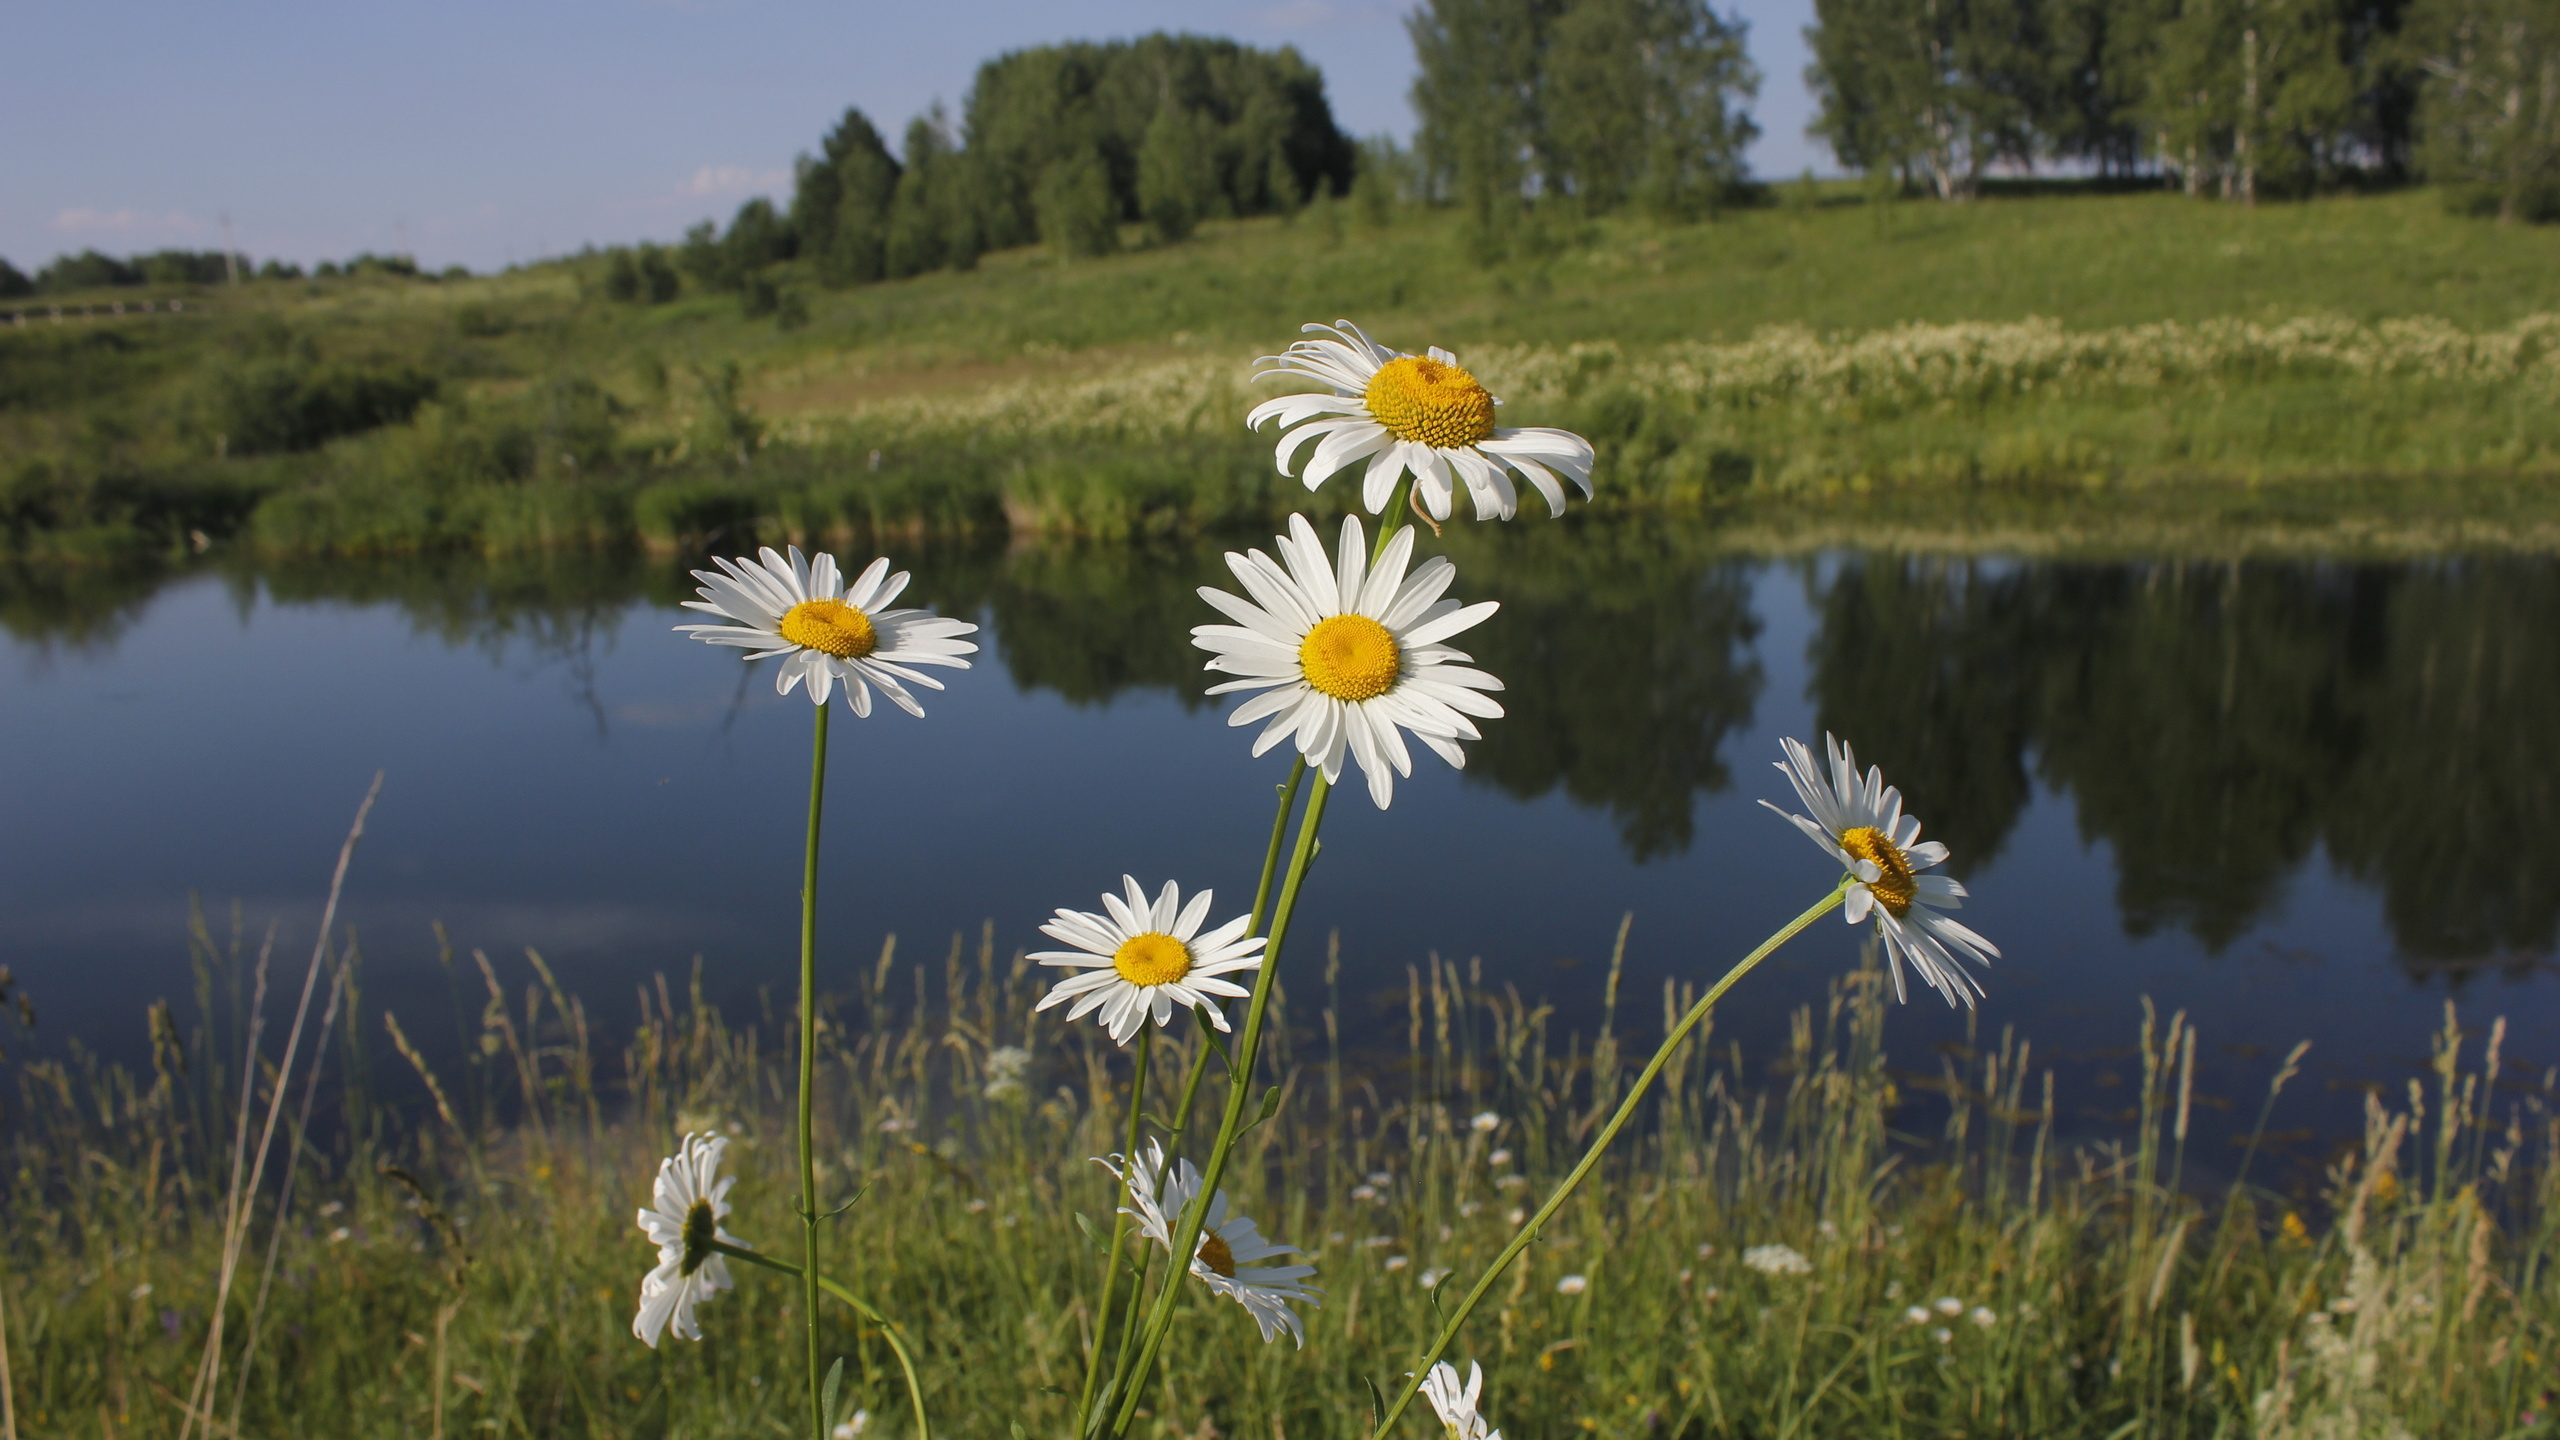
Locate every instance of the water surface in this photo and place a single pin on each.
(2299, 799)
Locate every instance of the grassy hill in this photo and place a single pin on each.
(1775, 357)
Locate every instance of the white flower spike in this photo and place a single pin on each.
(1417, 413)
(1348, 656)
(690, 1201)
(1142, 961)
(1858, 821)
(828, 631)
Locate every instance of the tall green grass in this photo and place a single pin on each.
(459, 1260)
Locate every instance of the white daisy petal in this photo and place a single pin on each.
(1348, 657)
(1858, 821)
(1138, 962)
(689, 1200)
(1455, 1404)
(838, 633)
(1418, 414)
(1229, 1243)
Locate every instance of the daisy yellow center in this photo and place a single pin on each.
(1154, 958)
(701, 1227)
(1350, 657)
(1215, 1254)
(1895, 886)
(829, 625)
(1430, 403)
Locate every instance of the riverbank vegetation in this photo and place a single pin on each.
(1818, 1235)
(1747, 366)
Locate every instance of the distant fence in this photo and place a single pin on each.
(59, 313)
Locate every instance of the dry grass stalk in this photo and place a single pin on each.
(236, 1221)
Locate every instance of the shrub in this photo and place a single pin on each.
(1074, 202)
(288, 404)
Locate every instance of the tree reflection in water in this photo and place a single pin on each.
(2216, 723)
(1627, 660)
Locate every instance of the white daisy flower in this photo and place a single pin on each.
(1144, 961)
(691, 1200)
(1229, 1243)
(1418, 413)
(1456, 1404)
(1345, 655)
(1860, 823)
(827, 630)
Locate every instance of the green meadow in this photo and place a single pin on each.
(1774, 365)
(461, 1262)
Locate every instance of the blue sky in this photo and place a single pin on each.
(478, 132)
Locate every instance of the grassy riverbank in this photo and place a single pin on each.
(1766, 361)
(462, 1262)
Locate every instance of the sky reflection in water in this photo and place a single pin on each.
(2300, 800)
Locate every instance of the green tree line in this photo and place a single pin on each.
(95, 270)
(1603, 103)
(1062, 145)
(2231, 98)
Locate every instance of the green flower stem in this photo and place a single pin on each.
(809, 1066)
(1599, 1145)
(1186, 1237)
(888, 1332)
(1119, 1233)
(1249, 1048)
(1199, 1068)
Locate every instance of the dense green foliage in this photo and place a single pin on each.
(2493, 104)
(1061, 145)
(2238, 97)
(1604, 102)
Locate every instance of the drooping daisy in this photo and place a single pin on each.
(1228, 1245)
(1143, 961)
(1346, 655)
(691, 1200)
(826, 630)
(1417, 413)
(1859, 822)
(1456, 1404)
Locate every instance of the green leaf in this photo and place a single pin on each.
(1377, 1404)
(1090, 1237)
(835, 1382)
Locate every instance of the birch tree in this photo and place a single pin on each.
(2490, 118)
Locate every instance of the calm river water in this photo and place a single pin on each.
(2299, 799)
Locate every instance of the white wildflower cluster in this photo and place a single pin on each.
(1921, 364)
(1777, 1260)
(1903, 367)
